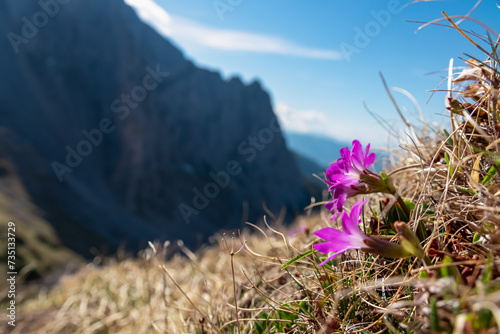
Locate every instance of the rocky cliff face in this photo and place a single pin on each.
(117, 137)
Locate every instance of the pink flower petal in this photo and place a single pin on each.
(331, 234)
(345, 162)
(330, 206)
(350, 223)
(333, 256)
(369, 158)
(328, 247)
(357, 155)
(357, 208)
(339, 197)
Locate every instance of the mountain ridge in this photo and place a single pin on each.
(129, 188)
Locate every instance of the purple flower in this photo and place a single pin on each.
(338, 241)
(347, 177)
(348, 169)
(353, 238)
(340, 194)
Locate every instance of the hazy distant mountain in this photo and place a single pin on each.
(320, 149)
(117, 137)
(324, 150)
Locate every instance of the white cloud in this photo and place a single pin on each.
(344, 127)
(187, 32)
(231, 40)
(149, 12)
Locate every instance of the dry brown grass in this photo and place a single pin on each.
(137, 296)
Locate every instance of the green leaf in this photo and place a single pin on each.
(434, 316)
(488, 274)
(466, 190)
(304, 307)
(491, 173)
(485, 317)
(286, 315)
(411, 205)
(446, 270)
(477, 237)
(298, 257)
(449, 140)
(261, 326)
(447, 158)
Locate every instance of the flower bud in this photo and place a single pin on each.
(385, 248)
(408, 239)
(377, 183)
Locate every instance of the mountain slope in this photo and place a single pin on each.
(115, 134)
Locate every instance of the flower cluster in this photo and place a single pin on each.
(344, 175)
(347, 170)
(347, 177)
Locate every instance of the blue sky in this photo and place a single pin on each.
(295, 49)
